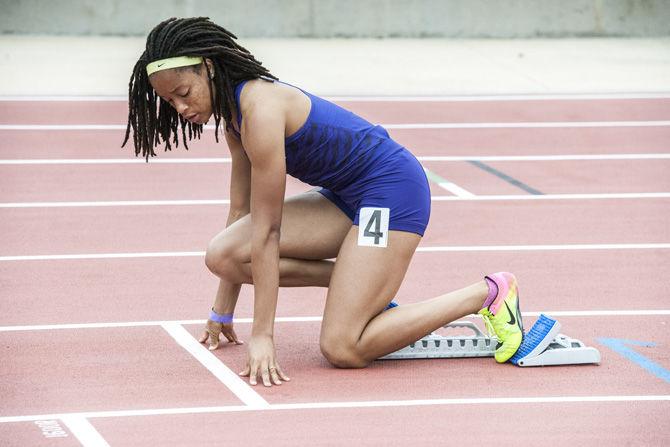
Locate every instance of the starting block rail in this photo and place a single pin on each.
(543, 345)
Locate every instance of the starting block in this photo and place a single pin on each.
(543, 345)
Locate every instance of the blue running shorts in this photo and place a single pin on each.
(399, 184)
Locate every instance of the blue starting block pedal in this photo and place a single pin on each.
(536, 340)
(542, 346)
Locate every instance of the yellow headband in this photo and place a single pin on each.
(172, 62)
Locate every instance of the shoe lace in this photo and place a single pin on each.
(489, 326)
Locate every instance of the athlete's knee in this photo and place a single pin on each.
(341, 353)
(221, 258)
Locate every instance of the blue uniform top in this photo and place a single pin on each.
(334, 148)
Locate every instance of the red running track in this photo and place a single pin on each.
(208, 181)
(590, 280)
(115, 112)
(460, 223)
(55, 371)
(55, 144)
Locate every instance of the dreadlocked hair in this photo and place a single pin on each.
(151, 118)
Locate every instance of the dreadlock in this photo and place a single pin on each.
(151, 118)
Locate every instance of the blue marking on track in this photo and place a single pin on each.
(618, 345)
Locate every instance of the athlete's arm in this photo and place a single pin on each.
(240, 181)
(227, 294)
(263, 139)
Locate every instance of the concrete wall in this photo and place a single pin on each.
(347, 18)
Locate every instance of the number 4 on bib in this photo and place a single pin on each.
(373, 227)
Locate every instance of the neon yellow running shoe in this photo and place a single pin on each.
(503, 317)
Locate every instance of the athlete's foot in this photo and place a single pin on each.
(503, 317)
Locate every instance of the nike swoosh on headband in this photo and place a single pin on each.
(172, 62)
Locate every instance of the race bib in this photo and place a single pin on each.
(373, 227)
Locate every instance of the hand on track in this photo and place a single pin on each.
(213, 332)
(262, 361)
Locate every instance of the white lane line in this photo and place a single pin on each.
(462, 195)
(394, 98)
(229, 378)
(511, 125)
(447, 158)
(82, 429)
(50, 327)
(585, 157)
(480, 98)
(453, 188)
(595, 196)
(446, 184)
(165, 254)
(464, 248)
(63, 126)
(63, 98)
(312, 319)
(114, 203)
(528, 125)
(352, 404)
(598, 313)
(542, 247)
(113, 161)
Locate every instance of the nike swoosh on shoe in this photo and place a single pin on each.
(511, 315)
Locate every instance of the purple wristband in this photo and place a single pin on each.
(220, 318)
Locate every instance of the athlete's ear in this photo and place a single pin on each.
(210, 67)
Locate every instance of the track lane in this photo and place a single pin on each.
(100, 182)
(99, 112)
(65, 371)
(107, 143)
(619, 420)
(558, 177)
(563, 424)
(298, 352)
(75, 291)
(30, 231)
(593, 176)
(384, 380)
(588, 278)
(141, 181)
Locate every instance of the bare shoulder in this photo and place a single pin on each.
(289, 105)
(257, 92)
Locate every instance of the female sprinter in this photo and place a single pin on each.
(370, 213)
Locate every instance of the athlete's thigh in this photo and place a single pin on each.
(365, 279)
(312, 228)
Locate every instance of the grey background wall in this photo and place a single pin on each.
(347, 18)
